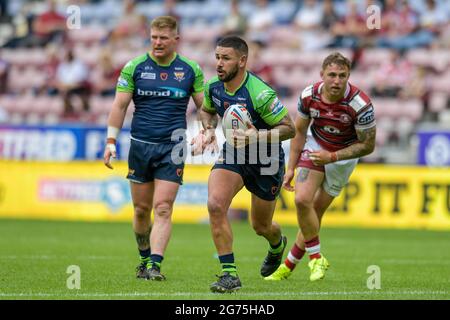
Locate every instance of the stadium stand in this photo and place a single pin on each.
(26, 95)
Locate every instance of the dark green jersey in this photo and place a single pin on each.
(161, 95)
(258, 97)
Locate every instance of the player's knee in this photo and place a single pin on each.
(261, 229)
(302, 202)
(142, 211)
(163, 209)
(216, 207)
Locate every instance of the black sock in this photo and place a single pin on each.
(156, 260)
(144, 255)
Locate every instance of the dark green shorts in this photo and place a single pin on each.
(265, 184)
(147, 162)
(266, 187)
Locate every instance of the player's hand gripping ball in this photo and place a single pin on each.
(235, 118)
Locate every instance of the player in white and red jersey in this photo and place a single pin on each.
(341, 123)
(335, 124)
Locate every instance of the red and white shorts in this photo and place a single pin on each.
(337, 173)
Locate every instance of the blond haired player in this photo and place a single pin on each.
(341, 123)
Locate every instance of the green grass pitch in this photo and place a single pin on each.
(35, 255)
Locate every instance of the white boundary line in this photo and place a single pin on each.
(244, 259)
(200, 294)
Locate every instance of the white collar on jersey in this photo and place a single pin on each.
(347, 89)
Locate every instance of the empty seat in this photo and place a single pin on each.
(441, 83)
(374, 57)
(438, 101)
(87, 34)
(8, 102)
(412, 109)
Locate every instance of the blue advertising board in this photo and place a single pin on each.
(58, 143)
(434, 148)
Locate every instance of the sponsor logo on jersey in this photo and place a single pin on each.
(276, 106)
(122, 82)
(163, 76)
(148, 75)
(216, 101)
(179, 76)
(345, 118)
(314, 113)
(241, 99)
(331, 129)
(179, 68)
(155, 93)
(163, 92)
(367, 117)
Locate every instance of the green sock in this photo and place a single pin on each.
(230, 268)
(144, 256)
(278, 247)
(144, 260)
(157, 264)
(228, 265)
(156, 261)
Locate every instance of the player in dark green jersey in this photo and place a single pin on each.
(271, 124)
(160, 83)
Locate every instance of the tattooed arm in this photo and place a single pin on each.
(364, 146)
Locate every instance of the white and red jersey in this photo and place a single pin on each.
(334, 125)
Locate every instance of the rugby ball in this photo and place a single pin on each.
(236, 117)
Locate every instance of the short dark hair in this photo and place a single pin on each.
(234, 42)
(336, 58)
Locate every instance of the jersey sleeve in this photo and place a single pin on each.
(365, 113)
(267, 104)
(303, 105)
(199, 79)
(365, 119)
(198, 85)
(125, 83)
(207, 102)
